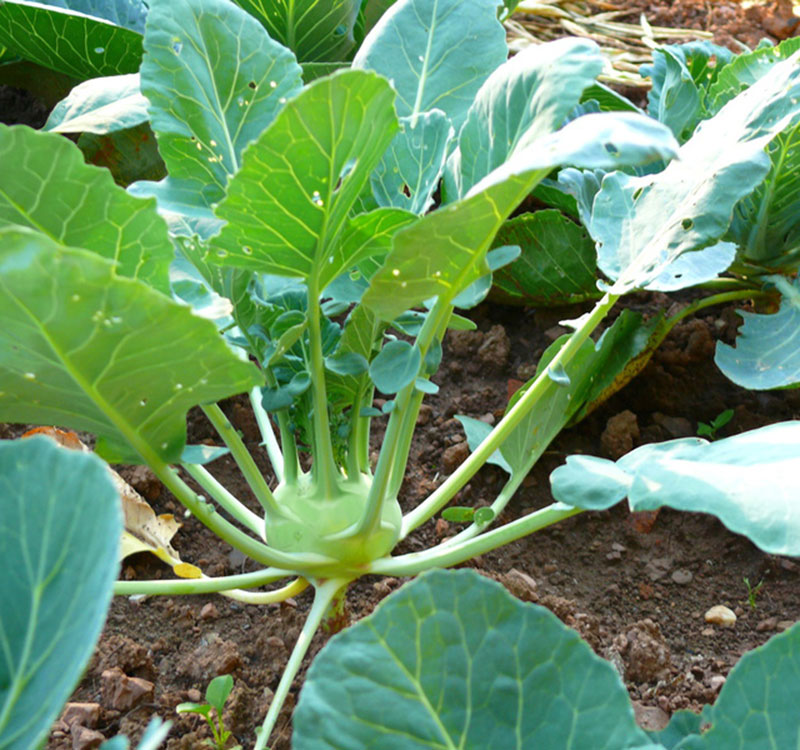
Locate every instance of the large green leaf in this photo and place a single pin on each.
(129, 14)
(86, 349)
(757, 707)
(72, 42)
(445, 251)
(557, 265)
(101, 105)
(451, 661)
(767, 353)
(60, 524)
(437, 54)
(749, 481)
(51, 190)
(315, 30)
(409, 172)
(288, 206)
(643, 224)
(215, 81)
(525, 99)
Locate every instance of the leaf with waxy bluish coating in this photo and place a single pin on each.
(525, 99)
(476, 432)
(287, 208)
(642, 224)
(69, 41)
(60, 524)
(215, 81)
(454, 240)
(51, 189)
(409, 172)
(675, 98)
(557, 265)
(101, 105)
(86, 349)
(395, 367)
(315, 30)
(453, 660)
(749, 481)
(437, 55)
(767, 353)
(756, 708)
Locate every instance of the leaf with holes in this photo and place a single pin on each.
(52, 190)
(76, 342)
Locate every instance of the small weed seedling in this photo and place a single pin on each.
(217, 693)
(752, 592)
(709, 430)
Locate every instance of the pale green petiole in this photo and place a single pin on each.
(225, 499)
(204, 585)
(441, 496)
(243, 459)
(446, 555)
(325, 593)
(267, 434)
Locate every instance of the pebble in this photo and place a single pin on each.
(84, 738)
(123, 693)
(650, 718)
(85, 714)
(716, 681)
(707, 631)
(721, 615)
(209, 612)
(784, 625)
(682, 576)
(768, 625)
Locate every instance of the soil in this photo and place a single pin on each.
(635, 587)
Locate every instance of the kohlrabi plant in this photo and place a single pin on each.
(291, 254)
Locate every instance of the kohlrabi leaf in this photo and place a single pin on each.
(445, 251)
(70, 41)
(682, 724)
(642, 224)
(315, 30)
(675, 97)
(766, 223)
(755, 709)
(767, 353)
(437, 54)
(525, 99)
(453, 660)
(409, 172)
(607, 99)
(557, 265)
(61, 525)
(83, 348)
(744, 70)
(51, 190)
(395, 367)
(476, 432)
(129, 14)
(287, 208)
(215, 80)
(694, 268)
(101, 105)
(749, 481)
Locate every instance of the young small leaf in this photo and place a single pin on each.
(218, 691)
(395, 367)
(458, 514)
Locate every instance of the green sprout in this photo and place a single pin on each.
(217, 693)
(710, 430)
(752, 591)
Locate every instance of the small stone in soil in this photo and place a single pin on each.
(84, 738)
(720, 615)
(767, 625)
(650, 718)
(209, 612)
(121, 692)
(784, 625)
(86, 714)
(716, 681)
(620, 433)
(682, 576)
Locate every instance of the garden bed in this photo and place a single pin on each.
(635, 587)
